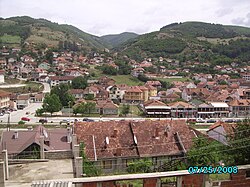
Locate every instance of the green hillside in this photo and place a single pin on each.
(114, 40)
(191, 41)
(43, 31)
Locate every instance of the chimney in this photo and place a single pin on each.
(156, 136)
(69, 138)
(115, 133)
(166, 131)
(106, 142)
(16, 135)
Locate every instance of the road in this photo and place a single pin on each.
(16, 116)
(46, 87)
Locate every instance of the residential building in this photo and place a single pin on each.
(106, 81)
(4, 99)
(220, 131)
(26, 144)
(221, 109)
(137, 71)
(56, 80)
(182, 110)
(195, 93)
(106, 107)
(240, 108)
(246, 76)
(154, 108)
(112, 145)
(136, 94)
(116, 92)
(156, 84)
(23, 101)
(77, 93)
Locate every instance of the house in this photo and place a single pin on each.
(111, 145)
(155, 84)
(137, 71)
(205, 110)
(26, 144)
(116, 92)
(77, 93)
(136, 94)
(221, 109)
(195, 93)
(240, 108)
(23, 101)
(56, 80)
(182, 110)
(44, 66)
(168, 97)
(106, 81)
(4, 99)
(154, 108)
(246, 76)
(220, 131)
(39, 98)
(152, 91)
(106, 107)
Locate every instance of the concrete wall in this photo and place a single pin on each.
(61, 154)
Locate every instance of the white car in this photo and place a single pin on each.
(200, 120)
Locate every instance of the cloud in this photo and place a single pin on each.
(224, 12)
(242, 20)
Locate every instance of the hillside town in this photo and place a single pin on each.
(162, 104)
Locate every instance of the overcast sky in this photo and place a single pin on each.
(100, 17)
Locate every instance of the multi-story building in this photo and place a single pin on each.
(4, 99)
(56, 80)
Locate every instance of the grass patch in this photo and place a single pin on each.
(13, 81)
(29, 88)
(217, 177)
(10, 39)
(170, 80)
(126, 79)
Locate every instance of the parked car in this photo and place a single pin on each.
(25, 119)
(66, 121)
(229, 120)
(200, 120)
(27, 112)
(191, 120)
(211, 121)
(87, 120)
(43, 121)
(1, 114)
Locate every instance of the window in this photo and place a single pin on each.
(107, 164)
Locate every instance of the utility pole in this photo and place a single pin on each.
(8, 123)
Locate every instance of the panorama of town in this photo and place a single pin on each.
(72, 116)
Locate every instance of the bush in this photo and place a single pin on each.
(21, 122)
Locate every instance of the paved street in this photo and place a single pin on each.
(16, 116)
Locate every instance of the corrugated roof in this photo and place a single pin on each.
(219, 104)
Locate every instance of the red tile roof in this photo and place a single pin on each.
(134, 139)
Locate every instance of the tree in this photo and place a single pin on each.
(51, 103)
(84, 108)
(79, 83)
(61, 91)
(125, 109)
(49, 56)
(239, 142)
(204, 152)
(90, 106)
(140, 166)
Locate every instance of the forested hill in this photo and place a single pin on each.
(114, 40)
(191, 41)
(17, 30)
